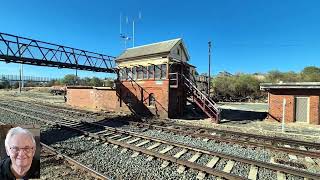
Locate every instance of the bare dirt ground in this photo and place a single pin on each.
(243, 117)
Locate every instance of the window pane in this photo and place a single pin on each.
(158, 71)
(145, 74)
(129, 72)
(120, 74)
(163, 71)
(150, 71)
(139, 72)
(134, 73)
(124, 74)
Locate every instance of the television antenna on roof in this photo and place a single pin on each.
(123, 35)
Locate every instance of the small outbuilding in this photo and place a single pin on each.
(301, 101)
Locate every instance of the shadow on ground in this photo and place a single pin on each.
(241, 116)
(118, 121)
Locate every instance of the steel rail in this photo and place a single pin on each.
(274, 167)
(301, 152)
(275, 140)
(70, 160)
(138, 149)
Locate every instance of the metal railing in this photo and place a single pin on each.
(25, 78)
(29, 51)
(201, 96)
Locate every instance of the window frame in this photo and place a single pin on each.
(157, 71)
(144, 72)
(151, 67)
(134, 72)
(163, 71)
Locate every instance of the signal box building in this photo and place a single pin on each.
(153, 80)
(302, 101)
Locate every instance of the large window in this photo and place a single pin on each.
(124, 74)
(151, 72)
(134, 73)
(121, 74)
(139, 72)
(163, 71)
(145, 72)
(129, 73)
(158, 71)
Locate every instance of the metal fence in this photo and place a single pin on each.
(25, 78)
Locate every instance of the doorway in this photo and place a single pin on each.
(302, 109)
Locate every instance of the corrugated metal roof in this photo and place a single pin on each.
(150, 49)
(292, 85)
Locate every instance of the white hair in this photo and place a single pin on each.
(18, 130)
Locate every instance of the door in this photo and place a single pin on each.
(302, 109)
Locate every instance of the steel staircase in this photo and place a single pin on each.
(208, 106)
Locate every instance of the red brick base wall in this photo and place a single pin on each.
(276, 105)
(95, 99)
(314, 110)
(83, 98)
(129, 97)
(137, 95)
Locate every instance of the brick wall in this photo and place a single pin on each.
(107, 99)
(138, 102)
(137, 95)
(276, 107)
(314, 110)
(81, 97)
(276, 101)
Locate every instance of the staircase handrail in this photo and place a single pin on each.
(212, 103)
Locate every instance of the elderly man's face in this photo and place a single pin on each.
(21, 150)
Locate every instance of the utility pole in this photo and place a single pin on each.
(209, 44)
(76, 76)
(22, 78)
(19, 80)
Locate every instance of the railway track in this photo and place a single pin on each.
(295, 147)
(174, 152)
(89, 172)
(307, 150)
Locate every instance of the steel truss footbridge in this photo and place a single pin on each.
(22, 50)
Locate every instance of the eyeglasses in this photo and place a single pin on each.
(25, 149)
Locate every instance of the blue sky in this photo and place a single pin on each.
(248, 35)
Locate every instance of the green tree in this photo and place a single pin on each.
(274, 76)
(246, 85)
(70, 79)
(4, 84)
(96, 82)
(310, 73)
(54, 83)
(109, 83)
(223, 86)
